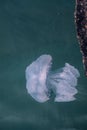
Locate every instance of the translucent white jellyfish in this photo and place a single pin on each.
(40, 80)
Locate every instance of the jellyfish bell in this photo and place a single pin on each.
(36, 74)
(40, 81)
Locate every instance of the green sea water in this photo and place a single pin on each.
(28, 29)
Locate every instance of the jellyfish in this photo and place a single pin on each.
(41, 81)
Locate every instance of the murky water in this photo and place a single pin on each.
(28, 29)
